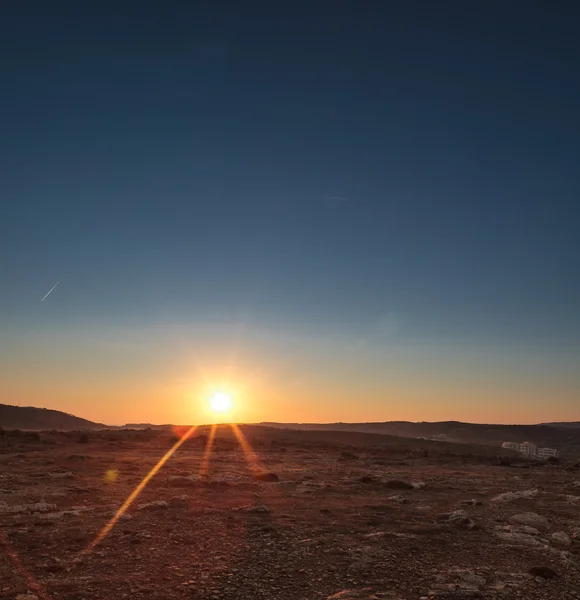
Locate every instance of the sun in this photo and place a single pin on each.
(220, 402)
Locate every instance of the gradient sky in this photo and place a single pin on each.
(341, 210)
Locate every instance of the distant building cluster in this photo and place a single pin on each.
(531, 450)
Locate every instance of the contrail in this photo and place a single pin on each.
(50, 290)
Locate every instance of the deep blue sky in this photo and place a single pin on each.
(320, 167)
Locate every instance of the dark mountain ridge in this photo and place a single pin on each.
(31, 417)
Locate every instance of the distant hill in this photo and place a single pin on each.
(145, 426)
(29, 417)
(565, 425)
(563, 436)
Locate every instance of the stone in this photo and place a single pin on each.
(519, 539)
(259, 509)
(544, 572)
(27, 596)
(368, 479)
(41, 507)
(561, 538)
(511, 496)
(531, 519)
(397, 484)
(399, 499)
(179, 501)
(155, 505)
(460, 518)
(519, 529)
(366, 593)
(418, 485)
(470, 577)
(266, 476)
(181, 481)
(471, 503)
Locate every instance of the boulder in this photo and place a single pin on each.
(258, 509)
(472, 502)
(519, 539)
(364, 594)
(36, 507)
(511, 496)
(470, 577)
(531, 519)
(544, 572)
(155, 505)
(397, 484)
(266, 476)
(519, 529)
(460, 518)
(181, 481)
(561, 538)
(179, 501)
(399, 499)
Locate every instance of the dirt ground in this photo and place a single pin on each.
(300, 517)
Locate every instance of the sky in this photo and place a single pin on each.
(335, 211)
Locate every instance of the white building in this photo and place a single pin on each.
(510, 446)
(528, 449)
(546, 453)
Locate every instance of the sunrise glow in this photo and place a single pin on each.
(220, 402)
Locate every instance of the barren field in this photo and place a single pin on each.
(299, 516)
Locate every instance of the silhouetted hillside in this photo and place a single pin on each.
(564, 436)
(29, 417)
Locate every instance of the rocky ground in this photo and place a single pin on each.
(306, 518)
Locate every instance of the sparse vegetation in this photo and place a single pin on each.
(320, 524)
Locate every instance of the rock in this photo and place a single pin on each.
(470, 577)
(155, 505)
(266, 476)
(54, 516)
(181, 481)
(460, 518)
(531, 519)
(519, 529)
(258, 509)
(366, 593)
(418, 485)
(544, 572)
(179, 501)
(399, 499)
(519, 539)
(471, 503)
(27, 596)
(561, 538)
(368, 479)
(41, 507)
(511, 496)
(348, 456)
(397, 484)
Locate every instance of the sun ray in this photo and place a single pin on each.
(125, 506)
(26, 575)
(207, 452)
(249, 454)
